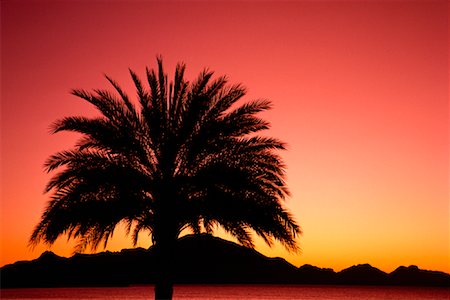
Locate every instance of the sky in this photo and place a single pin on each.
(360, 92)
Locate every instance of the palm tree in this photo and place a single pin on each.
(185, 157)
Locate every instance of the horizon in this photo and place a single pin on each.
(359, 93)
(214, 236)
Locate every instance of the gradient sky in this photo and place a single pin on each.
(360, 93)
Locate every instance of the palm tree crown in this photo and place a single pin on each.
(185, 157)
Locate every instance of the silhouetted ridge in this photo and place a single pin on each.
(412, 275)
(214, 260)
(363, 274)
(313, 275)
(48, 255)
(200, 259)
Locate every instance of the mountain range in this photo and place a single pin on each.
(199, 259)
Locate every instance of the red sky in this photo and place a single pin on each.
(360, 93)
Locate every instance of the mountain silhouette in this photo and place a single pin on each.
(308, 274)
(363, 274)
(199, 259)
(412, 275)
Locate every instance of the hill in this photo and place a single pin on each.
(199, 259)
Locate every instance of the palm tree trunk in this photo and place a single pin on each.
(165, 235)
(165, 243)
(163, 288)
(164, 281)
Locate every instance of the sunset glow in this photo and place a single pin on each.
(360, 94)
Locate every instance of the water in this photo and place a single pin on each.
(228, 292)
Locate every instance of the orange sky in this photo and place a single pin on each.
(360, 93)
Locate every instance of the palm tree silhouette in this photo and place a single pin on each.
(185, 157)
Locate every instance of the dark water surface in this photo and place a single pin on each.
(229, 292)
